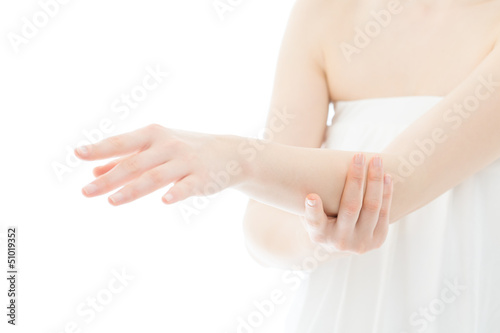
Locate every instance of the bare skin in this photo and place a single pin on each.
(427, 49)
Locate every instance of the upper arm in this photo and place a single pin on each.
(462, 133)
(300, 90)
(300, 86)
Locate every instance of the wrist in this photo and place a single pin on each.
(232, 166)
(248, 154)
(243, 159)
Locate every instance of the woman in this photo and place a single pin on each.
(416, 83)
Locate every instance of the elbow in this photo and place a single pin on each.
(259, 245)
(274, 238)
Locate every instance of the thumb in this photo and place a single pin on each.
(314, 214)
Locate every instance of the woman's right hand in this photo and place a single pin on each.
(362, 223)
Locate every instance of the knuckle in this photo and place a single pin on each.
(341, 244)
(154, 127)
(357, 178)
(115, 141)
(317, 237)
(372, 205)
(133, 192)
(190, 158)
(362, 249)
(156, 154)
(155, 176)
(352, 208)
(384, 214)
(375, 177)
(103, 184)
(173, 145)
(387, 195)
(363, 245)
(131, 165)
(312, 222)
(188, 188)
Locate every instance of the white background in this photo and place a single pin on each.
(190, 274)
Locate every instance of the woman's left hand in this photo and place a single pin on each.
(154, 156)
(362, 223)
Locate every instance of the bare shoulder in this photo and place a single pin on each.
(310, 14)
(306, 28)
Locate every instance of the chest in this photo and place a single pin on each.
(381, 51)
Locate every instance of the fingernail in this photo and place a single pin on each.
(90, 188)
(311, 202)
(377, 162)
(116, 198)
(82, 150)
(168, 197)
(387, 179)
(359, 159)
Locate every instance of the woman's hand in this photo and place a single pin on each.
(363, 221)
(154, 156)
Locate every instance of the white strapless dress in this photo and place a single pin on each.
(438, 271)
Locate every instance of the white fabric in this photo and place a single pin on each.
(455, 239)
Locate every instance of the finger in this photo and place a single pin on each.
(315, 218)
(352, 198)
(114, 146)
(149, 182)
(382, 227)
(123, 172)
(372, 201)
(182, 189)
(102, 169)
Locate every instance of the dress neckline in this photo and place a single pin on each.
(378, 99)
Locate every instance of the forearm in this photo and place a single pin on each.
(461, 133)
(281, 176)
